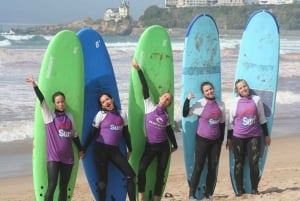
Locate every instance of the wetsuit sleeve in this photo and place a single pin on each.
(229, 134)
(90, 137)
(127, 138)
(186, 108)
(264, 128)
(39, 94)
(222, 130)
(171, 136)
(144, 84)
(76, 140)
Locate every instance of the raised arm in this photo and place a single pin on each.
(142, 79)
(37, 91)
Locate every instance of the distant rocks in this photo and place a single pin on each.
(122, 27)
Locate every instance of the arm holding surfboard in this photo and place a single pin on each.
(157, 135)
(60, 130)
(41, 98)
(246, 121)
(210, 113)
(169, 129)
(108, 126)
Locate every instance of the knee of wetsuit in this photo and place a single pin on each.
(101, 186)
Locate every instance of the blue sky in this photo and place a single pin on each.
(62, 11)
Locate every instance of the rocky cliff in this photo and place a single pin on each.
(122, 27)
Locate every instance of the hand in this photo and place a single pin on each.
(228, 144)
(173, 149)
(135, 65)
(190, 96)
(268, 140)
(30, 80)
(81, 155)
(128, 155)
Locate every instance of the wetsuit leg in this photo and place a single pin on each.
(101, 160)
(201, 148)
(163, 157)
(121, 162)
(253, 153)
(239, 156)
(147, 158)
(53, 171)
(213, 161)
(65, 174)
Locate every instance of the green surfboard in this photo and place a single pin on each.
(61, 70)
(154, 55)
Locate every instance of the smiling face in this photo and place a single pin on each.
(165, 100)
(242, 88)
(208, 91)
(106, 102)
(59, 102)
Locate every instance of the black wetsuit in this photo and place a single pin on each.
(56, 168)
(159, 150)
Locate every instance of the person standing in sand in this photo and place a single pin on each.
(209, 136)
(246, 121)
(60, 131)
(109, 125)
(157, 144)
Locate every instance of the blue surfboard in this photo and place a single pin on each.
(201, 62)
(258, 64)
(99, 77)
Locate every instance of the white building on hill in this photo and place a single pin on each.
(116, 14)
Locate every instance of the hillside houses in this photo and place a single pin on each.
(116, 14)
(193, 3)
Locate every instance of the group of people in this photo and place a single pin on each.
(60, 156)
(246, 120)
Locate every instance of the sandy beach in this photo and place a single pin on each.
(281, 177)
(280, 180)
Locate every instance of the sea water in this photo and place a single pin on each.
(23, 55)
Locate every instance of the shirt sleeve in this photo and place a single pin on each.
(261, 111)
(223, 110)
(98, 119)
(197, 107)
(124, 116)
(74, 130)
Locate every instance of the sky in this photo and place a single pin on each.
(64, 11)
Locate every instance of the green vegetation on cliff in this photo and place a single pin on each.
(226, 17)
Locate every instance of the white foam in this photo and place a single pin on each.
(16, 130)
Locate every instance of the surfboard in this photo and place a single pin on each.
(258, 64)
(61, 70)
(201, 62)
(154, 55)
(99, 77)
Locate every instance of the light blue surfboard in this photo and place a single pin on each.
(99, 77)
(258, 64)
(201, 62)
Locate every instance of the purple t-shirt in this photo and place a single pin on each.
(156, 121)
(60, 130)
(111, 126)
(246, 115)
(211, 113)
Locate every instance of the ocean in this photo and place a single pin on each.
(23, 55)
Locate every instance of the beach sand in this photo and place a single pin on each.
(280, 180)
(281, 177)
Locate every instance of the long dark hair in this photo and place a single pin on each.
(110, 96)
